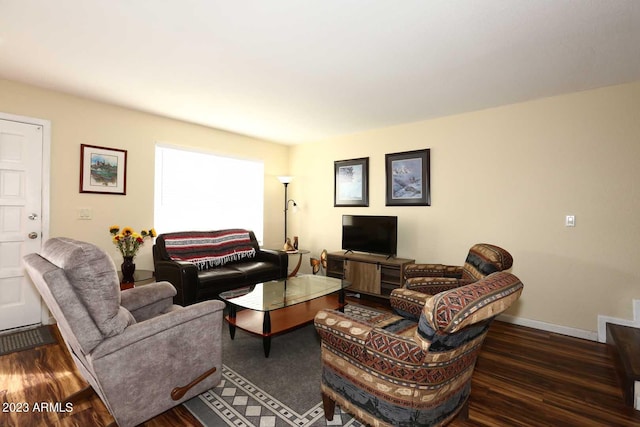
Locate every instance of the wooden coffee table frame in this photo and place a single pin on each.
(269, 323)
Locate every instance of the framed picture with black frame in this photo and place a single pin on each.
(408, 178)
(351, 186)
(103, 170)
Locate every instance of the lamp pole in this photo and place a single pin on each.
(286, 179)
(286, 208)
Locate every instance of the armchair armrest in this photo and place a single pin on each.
(359, 340)
(148, 301)
(408, 303)
(159, 325)
(432, 270)
(394, 348)
(342, 332)
(190, 339)
(433, 285)
(183, 276)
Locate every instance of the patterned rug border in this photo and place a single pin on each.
(234, 402)
(238, 402)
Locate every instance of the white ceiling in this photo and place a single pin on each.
(294, 71)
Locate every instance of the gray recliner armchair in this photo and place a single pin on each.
(140, 353)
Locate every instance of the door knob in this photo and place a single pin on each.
(33, 235)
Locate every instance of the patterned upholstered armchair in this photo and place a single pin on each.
(396, 372)
(424, 280)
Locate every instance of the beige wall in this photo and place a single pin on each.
(76, 121)
(509, 176)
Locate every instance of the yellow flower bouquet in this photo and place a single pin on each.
(128, 241)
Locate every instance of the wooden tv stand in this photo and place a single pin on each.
(369, 274)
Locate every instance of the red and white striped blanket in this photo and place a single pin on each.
(208, 249)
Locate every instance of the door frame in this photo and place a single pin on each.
(45, 316)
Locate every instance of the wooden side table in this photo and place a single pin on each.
(300, 252)
(140, 277)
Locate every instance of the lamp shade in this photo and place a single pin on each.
(285, 179)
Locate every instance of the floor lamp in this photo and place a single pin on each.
(286, 179)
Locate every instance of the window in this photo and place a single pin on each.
(196, 190)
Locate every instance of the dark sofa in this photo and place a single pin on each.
(200, 270)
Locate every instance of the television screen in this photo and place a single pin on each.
(368, 233)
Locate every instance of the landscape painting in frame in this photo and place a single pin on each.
(408, 176)
(351, 182)
(103, 170)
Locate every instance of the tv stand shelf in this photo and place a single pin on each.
(369, 274)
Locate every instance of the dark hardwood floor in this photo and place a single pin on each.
(524, 377)
(529, 377)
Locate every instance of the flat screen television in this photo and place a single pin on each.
(370, 233)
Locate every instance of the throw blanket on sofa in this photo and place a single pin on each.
(210, 248)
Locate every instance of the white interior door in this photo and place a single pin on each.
(21, 157)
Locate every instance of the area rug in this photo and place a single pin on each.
(24, 340)
(281, 390)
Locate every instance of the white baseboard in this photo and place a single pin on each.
(603, 320)
(602, 325)
(550, 327)
(600, 335)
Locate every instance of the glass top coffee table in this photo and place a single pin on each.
(278, 306)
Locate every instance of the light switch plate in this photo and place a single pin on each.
(570, 221)
(84, 213)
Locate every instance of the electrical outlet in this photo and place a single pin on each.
(570, 221)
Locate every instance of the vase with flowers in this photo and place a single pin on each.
(128, 243)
